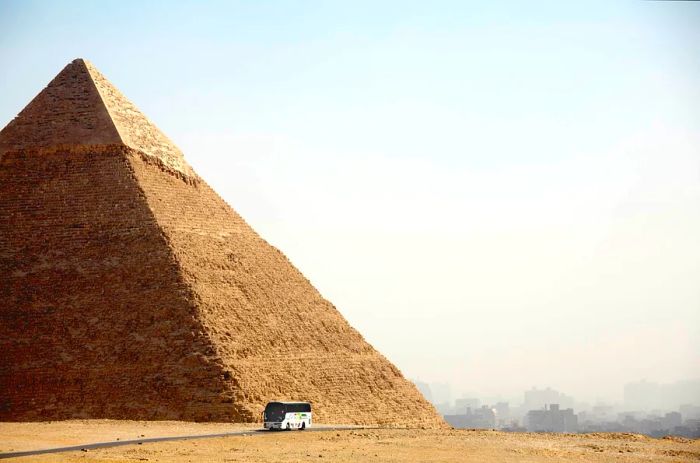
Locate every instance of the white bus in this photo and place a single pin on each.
(287, 415)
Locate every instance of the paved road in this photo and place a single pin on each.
(101, 445)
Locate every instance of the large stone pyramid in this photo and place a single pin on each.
(129, 289)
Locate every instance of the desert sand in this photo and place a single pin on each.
(379, 445)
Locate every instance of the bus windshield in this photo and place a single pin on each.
(274, 411)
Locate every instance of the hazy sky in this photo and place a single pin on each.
(497, 196)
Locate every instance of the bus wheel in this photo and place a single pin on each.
(303, 426)
(289, 428)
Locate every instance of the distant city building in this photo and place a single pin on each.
(445, 408)
(671, 421)
(538, 398)
(441, 393)
(670, 424)
(503, 418)
(551, 419)
(690, 412)
(642, 395)
(647, 395)
(690, 429)
(480, 418)
(547, 410)
(603, 412)
(464, 403)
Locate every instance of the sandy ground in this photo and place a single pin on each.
(17, 437)
(386, 445)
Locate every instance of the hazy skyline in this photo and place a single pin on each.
(496, 196)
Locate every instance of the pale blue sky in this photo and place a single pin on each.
(513, 188)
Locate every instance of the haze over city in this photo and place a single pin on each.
(496, 198)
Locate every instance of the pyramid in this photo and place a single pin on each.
(131, 290)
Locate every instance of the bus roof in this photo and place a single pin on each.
(282, 402)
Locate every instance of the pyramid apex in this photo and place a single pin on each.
(80, 107)
(82, 61)
(69, 111)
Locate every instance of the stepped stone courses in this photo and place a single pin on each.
(130, 289)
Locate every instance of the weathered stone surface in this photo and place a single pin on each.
(69, 111)
(130, 289)
(96, 320)
(79, 107)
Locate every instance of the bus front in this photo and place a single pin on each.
(274, 415)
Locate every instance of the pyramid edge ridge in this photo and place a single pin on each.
(89, 67)
(122, 111)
